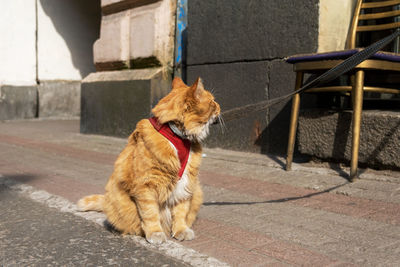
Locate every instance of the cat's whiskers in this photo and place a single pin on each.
(215, 93)
(222, 123)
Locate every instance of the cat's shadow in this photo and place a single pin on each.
(281, 200)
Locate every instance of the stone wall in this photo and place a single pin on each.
(135, 34)
(327, 135)
(134, 63)
(238, 48)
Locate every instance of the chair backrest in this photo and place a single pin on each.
(373, 16)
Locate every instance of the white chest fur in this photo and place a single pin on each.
(181, 190)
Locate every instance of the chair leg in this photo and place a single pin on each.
(293, 121)
(357, 96)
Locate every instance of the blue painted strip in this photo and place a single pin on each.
(180, 40)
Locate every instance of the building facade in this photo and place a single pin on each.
(110, 61)
(45, 52)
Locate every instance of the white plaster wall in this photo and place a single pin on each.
(334, 23)
(152, 31)
(140, 32)
(17, 42)
(165, 37)
(109, 2)
(66, 32)
(113, 44)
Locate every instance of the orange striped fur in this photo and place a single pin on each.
(144, 195)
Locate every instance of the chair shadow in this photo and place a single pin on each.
(281, 200)
(340, 140)
(278, 160)
(381, 145)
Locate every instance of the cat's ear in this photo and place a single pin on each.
(178, 83)
(197, 88)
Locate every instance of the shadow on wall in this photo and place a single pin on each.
(276, 134)
(78, 22)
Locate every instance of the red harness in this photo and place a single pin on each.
(181, 145)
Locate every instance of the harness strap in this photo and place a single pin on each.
(181, 145)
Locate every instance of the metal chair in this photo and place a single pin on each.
(368, 17)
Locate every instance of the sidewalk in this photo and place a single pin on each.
(254, 213)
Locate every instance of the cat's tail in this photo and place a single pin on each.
(92, 202)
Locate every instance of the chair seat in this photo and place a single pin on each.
(337, 55)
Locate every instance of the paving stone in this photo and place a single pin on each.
(234, 255)
(265, 217)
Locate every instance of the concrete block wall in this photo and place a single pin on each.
(114, 101)
(327, 135)
(134, 62)
(238, 48)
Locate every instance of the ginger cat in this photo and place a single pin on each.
(154, 190)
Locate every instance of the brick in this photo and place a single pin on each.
(351, 206)
(86, 155)
(256, 242)
(231, 234)
(54, 184)
(231, 254)
(293, 254)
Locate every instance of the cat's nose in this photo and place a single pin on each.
(216, 121)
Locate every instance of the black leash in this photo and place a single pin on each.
(327, 76)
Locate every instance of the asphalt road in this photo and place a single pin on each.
(36, 235)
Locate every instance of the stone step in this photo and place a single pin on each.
(327, 134)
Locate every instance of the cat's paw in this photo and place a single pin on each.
(156, 238)
(186, 234)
